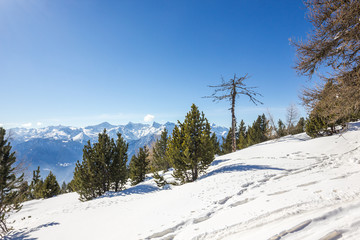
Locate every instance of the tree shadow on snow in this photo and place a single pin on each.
(24, 234)
(239, 168)
(217, 162)
(138, 189)
(354, 126)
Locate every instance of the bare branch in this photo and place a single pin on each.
(230, 90)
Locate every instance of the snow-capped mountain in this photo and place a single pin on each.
(57, 148)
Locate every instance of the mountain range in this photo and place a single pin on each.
(57, 148)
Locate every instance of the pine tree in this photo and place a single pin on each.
(34, 188)
(24, 191)
(103, 167)
(316, 126)
(71, 186)
(300, 126)
(63, 188)
(257, 133)
(160, 160)
(216, 144)
(84, 181)
(10, 184)
(139, 166)
(242, 136)
(264, 128)
(38, 191)
(159, 178)
(281, 129)
(118, 167)
(226, 146)
(190, 148)
(51, 187)
(101, 162)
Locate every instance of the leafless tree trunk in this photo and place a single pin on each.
(291, 117)
(231, 90)
(273, 126)
(233, 120)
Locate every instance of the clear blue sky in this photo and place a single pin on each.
(82, 62)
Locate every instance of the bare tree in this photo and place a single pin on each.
(230, 90)
(292, 115)
(273, 128)
(334, 46)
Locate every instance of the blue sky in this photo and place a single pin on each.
(83, 62)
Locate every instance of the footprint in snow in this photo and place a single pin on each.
(278, 193)
(307, 184)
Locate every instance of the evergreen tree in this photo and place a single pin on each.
(264, 128)
(190, 147)
(257, 133)
(316, 126)
(281, 129)
(158, 178)
(34, 188)
(160, 160)
(139, 166)
(24, 191)
(101, 162)
(51, 187)
(226, 146)
(300, 126)
(84, 181)
(216, 144)
(38, 191)
(63, 188)
(36, 176)
(70, 186)
(10, 184)
(242, 136)
(118, 169)
(103, 167)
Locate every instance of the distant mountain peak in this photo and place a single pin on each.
(135, 125)
(102, 125)
(156, 125)
(169, 124)
(106, 125)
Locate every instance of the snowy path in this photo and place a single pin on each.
(292, 188)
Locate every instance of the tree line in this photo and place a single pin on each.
(261, 130)
(189, 151)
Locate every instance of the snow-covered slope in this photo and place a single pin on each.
(290, 188)
(57, 148)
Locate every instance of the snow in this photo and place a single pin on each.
(79, 137)
(290, 188)
(131, 131)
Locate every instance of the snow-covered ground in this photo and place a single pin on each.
(290, 188)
